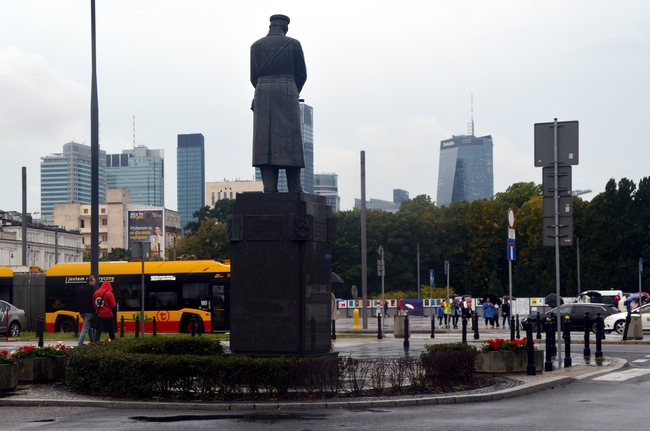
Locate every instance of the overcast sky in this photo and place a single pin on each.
(390, 78)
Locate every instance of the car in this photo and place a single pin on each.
(616, 322)
(17, 319)
(576, 313)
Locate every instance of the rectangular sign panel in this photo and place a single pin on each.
(566, 230)
(567, 143)
(147, 225)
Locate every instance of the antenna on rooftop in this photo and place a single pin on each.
(470, 125)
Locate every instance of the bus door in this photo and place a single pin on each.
(219, 307)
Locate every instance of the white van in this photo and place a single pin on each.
(584, 297)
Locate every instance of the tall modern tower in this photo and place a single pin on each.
(190, 157)
(65, 178)
(306, 173)
(466, 170)
(327, 185)
(141, 171)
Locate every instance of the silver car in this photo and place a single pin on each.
(16, 317)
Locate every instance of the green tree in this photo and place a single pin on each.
(220, 212)
(209, 242)
(117, 254)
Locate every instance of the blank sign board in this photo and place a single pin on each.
(567, 143)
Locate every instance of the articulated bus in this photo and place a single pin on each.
(174, 293)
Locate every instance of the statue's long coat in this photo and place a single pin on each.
(278, 73)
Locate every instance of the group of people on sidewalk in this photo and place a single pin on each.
(96, 304)
(451, 310)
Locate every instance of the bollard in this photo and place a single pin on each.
(517, 325)
(599, 344)
(475, 324)
(356, 326)
(551, 335)
(122, 327)
(511, 321)
(40, 328)
(539, 327)
(137, 327)
(433, 326)
(587, 351)
(530, 349)
(567, 342)
(548, 328)
(464, 327)
(76, 326)
(379, 336)
(155, 331)
(333, 329)
(406, 331)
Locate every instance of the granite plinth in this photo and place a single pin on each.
(280, 298)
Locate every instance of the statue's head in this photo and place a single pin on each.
(280, 22)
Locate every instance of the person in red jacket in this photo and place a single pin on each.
(104, 302)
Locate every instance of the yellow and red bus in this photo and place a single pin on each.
(6, 283)
(174, 293)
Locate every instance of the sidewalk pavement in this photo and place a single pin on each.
(511, 385)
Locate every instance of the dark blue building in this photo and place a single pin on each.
(190, 174)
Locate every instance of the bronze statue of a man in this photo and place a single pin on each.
(278, 73)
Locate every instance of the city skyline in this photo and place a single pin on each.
(394, 84)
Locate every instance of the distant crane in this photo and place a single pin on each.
(580, 192)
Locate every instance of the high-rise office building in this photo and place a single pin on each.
(65, 178)
(139, 170)
(306, 173)
(190, 159)
(400, 196)
(327, 185)
(466, 170)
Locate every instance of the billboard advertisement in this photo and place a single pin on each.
(147, 225)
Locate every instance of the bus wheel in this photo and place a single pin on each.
(66, 325)
(186, 323)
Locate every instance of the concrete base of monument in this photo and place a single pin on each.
(280, 291)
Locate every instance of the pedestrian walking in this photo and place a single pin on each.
(441, 314)
(86, 309)
(505, 313)
(447, 306)
(488, 313)
(104, 302)
(455, 313)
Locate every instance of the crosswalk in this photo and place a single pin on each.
(621, 376)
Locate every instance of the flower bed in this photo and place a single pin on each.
(8, 371)
(40, 363)
(507, 356)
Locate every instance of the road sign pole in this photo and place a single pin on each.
(556, 198)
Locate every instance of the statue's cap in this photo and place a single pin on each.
(278, 16)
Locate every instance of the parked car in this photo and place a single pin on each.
(576, 313)
(616, 322)
(16, 317)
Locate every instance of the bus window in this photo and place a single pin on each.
(164, 300)
(194, 294)
(130, 296)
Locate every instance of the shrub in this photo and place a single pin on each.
(448, 364)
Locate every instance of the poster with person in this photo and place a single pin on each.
(147, 225)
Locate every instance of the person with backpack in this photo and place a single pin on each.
(104, 302)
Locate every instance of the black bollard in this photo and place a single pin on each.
(530, 349)
(406, 332)
(379, 335)
(567, 342)
(433, 326)
(475, 324)
(551, 335)
(137, 327)
(464, 327)
(586, 352)
(333, 329)
(40, 328)
(548, 328)
(155, 329)
(517, 325)
(76, 326)
(539, 327)
(599, 344)
(122, 327)
(511, 320)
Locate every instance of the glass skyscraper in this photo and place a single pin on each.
(466, 170)
(190, 158)
(306, 173)
(326, 184)
(141, 171)
(65, 178)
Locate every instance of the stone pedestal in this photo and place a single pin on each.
(281, 291)
(508, 362)
(635, 331)
(8, 376)
(41, 369)
(398, 326)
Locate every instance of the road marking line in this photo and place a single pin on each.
(621, 376)
(641, 360)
